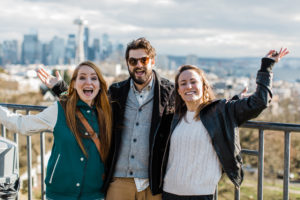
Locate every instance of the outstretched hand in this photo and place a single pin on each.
(47, 78)
(244, 93)
(277, 55)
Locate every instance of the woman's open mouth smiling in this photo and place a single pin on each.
(88, 92)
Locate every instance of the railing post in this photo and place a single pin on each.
(216, 194)
(29, 165)
(286, 174)
(236, 193)
(260, 165)
(3, 131)
(42, 139)
(16, 140)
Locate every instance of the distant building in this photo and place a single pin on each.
(10, 50)
(112, 69)
(192, 60)
(120, 52)
(70, 50)
(31, 49)
(80, 44)
(162, 62)
(117, 54)
(86, 36)
(94, 51)
(106, 47)
(176, 61)
(57, 49)
(46, 54)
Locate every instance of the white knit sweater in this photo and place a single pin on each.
(193, 166)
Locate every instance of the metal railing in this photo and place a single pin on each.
(28, 109)
(261, 126)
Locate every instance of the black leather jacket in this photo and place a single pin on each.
(221, 119)
(163, 110)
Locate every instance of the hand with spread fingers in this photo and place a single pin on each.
(277, 55)
(244, 93)
(47, 78)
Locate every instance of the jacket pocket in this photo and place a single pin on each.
(53, 171)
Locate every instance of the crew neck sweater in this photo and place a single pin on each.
(193, 167)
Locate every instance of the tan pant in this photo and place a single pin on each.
(125, 189)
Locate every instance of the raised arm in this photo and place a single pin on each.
(250, 107)
(56, 84)
(29, 124)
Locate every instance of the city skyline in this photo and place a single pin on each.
(207, 29)
(31, 50)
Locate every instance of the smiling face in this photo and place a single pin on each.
(87, 84)
(190, 87)
(140, 70)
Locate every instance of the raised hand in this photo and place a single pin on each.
(47, 78)
(244, 93)
(277, 55)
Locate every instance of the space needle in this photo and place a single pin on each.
(79, 57)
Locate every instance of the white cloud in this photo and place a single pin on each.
(175, 26)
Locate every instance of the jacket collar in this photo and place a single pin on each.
(159, 86)
(162, 94)
(82, 104)
(176, 117)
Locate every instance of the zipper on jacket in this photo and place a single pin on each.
(51, 177)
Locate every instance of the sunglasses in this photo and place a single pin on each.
(134, 61)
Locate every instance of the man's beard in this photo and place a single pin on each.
(140, 80)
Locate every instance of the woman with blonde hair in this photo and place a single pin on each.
(204, 138)
(81, 125)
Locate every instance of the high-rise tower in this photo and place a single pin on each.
(86, 36)
(31, 49)
(80, 47)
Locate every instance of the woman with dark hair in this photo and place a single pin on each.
(76, 165)
(204, 139)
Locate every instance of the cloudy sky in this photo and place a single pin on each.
(207, 28)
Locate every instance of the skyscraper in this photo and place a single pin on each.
(106, 47)
(10, 52)
(120, 49)
(46, 53)
(80, 48)
(94, 50)
(70, 50)
(57, 50)
(31, 49)
(86, 42)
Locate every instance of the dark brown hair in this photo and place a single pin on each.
(207, 96)
(103, 108)
(140, 43)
